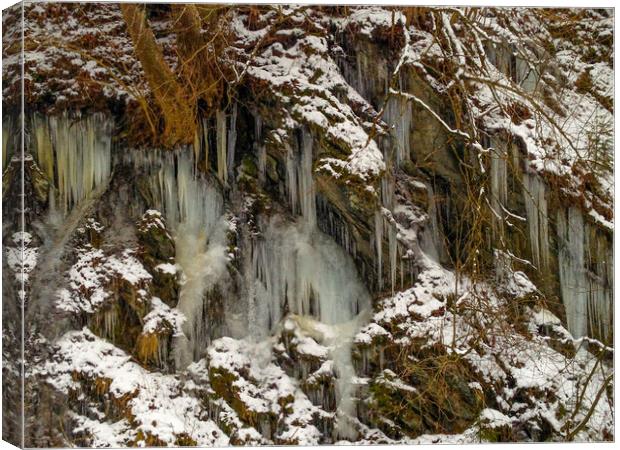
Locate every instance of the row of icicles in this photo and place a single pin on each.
(294, 268)
(77, 155)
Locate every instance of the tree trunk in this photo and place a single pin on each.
(177, 107)
(198, 54)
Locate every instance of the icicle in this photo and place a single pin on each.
(205, 140)
(300, 181)
(306, 181)
(44, 146)
(525, 76)
(500, 55)
(338, 337)
(250, 272)
(379, 247)
(430, 241)
(574, 285)
(398, 114)
(536, 210)
(162, 352)
(600, 305)
(203, 260)
(387, 180)
(332, 224)
(291, 178)
(185, 197)
(222, 169)
(361, 65)
(197, 146)
(232, 142)
(387, 201)
(201, 144)
(110, 320)
(586, 276)
(343, 365)
(393, 249)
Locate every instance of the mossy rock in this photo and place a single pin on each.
(499, 434)
(223, 383)
(91, 232)
(151, 348)
(225, 386)
(409, 168)
(434, 397)
(145, 439)
(98, 389)
(305, 362)
(495, 427)
(271, 169)
(370, 357)
(321, 391)
(8, 176)
(156, 249)
(158, 245)
(120, 321)
(558, 341)
(166, 287)
(184, 440)
(391, 409)
(40, 183)
(248, 167)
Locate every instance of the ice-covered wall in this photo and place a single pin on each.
(586, 276)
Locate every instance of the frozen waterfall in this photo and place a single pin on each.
(303, 271)
(193, 208)
(299, 270)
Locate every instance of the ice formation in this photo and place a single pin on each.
(538, 221)
(75, 153)
(193, 207)
(585, 276)
(399, 115)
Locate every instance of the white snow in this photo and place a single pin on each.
(90, 278)
(162, 316)
(167, 268)
(157, 402)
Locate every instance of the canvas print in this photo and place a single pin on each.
(230, 224)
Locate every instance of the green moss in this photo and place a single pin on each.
(271, 169)
(248, 166)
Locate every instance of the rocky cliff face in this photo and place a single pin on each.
(398, 228)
